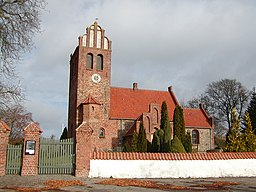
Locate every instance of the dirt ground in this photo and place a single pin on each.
(65, 183)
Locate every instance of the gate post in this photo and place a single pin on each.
(83, 150)
(30, 149)
(4, 137)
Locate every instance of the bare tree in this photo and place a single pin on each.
(219, 126)
(226, 94)
(19, 21)
(220, 98)
(17, 118)
(9, 93)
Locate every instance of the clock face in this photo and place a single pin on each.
(96, 78)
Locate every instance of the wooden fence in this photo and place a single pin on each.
(56, 156)
(13, 159)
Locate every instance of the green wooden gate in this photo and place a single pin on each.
(13, 159)
(56, 156)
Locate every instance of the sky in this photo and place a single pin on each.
(185, 44)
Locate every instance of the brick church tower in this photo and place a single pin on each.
(89, 88)
(113, 114)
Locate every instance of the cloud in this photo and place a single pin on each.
(186, 44)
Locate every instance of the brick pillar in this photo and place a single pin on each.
(83, 150)
(4, 137)
(29, 158)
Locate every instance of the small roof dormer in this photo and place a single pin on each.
(90, 100)
(95, 37)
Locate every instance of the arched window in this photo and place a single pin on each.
(195, 137)
(147, 125)
(89, 61)
(91, 42)
(101, 133)
(155, 116)
(98, 39)
(106, 43)
(99, 62)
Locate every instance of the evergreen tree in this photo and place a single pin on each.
(252, 111)
(161, 138)
(127, 147)
(177, 146)
(134, 144)
(64, 134)
(142, 139)
(235, 142)
(149, 147)
(158, 140)
(188, 143)
(165, 126)
(179, 124)
(248, 136)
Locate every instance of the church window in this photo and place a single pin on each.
(98, 39)
(147, 125)
(89, 61)
(84, 40)
(99, 62)
(105, 43)
(195, 137)
(155, 116)
(102, 133)
(91, 42)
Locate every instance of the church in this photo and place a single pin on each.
(113, 113)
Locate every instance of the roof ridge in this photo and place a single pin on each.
(139, 89)
(3, 125)
(191, 108)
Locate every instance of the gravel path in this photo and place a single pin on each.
(12, 183)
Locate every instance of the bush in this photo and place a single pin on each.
(127, 147)
(177, 146)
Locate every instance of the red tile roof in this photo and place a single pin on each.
(33, 127)
(196, 118)
(90, 100)
(127, 103)
(4, 126)
(172, 156)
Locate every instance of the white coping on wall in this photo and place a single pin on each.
(172, 168)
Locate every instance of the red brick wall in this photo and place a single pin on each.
(151, 120)
(4, 137)
(83, 150)
(81, 85)
(73, 93)
(30, 162)
(110, 141)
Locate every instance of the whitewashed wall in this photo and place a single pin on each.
(172, 169)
